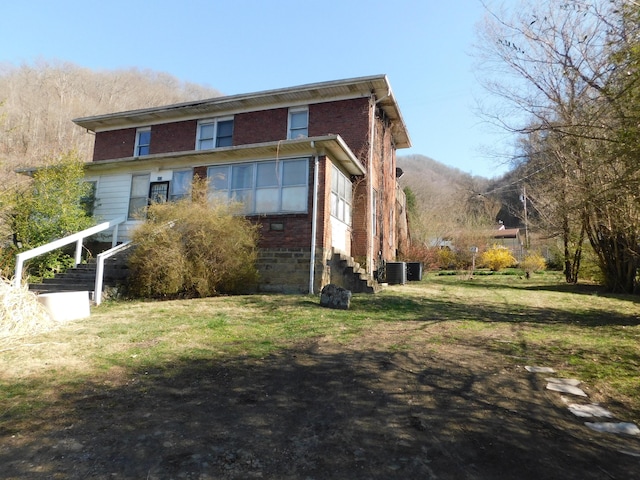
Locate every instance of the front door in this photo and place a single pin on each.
(158, 192)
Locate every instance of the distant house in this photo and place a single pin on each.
(314, 165)
(510, 238)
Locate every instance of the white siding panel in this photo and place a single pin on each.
(112, 201)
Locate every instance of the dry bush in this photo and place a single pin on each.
(20, 312)
(193, 249)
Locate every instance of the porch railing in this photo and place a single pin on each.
(78, 238)
(97, 292)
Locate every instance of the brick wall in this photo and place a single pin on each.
(348, 118)
(173, 137)
(261, 126)
(286, 270)
(114, 144)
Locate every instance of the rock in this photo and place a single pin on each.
(612, 427)
(539, 369)
(336, 297)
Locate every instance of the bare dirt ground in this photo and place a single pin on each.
(317, 411)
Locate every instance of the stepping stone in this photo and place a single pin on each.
(539, 369)
(591, 410)
(562, 388)
(564, 381)
(613, 427)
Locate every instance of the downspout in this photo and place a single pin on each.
(314, 221)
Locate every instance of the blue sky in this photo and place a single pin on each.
(243, 46)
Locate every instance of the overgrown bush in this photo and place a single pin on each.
(533, 262)
(497, 258)
(190, 248)
(20, 311)
(428, 256)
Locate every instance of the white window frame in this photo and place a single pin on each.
(139, 145)
(297, 132)
(251, 192)
(132, 213)
(341, 196)
(215, 139)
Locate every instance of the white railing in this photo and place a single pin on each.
(76, 237)
(97, 292)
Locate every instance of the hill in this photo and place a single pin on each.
(38, 102)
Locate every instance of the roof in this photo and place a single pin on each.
(331, 145)
(376, 85)
(507, 233)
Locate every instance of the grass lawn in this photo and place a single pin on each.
(420, 380)
(575, 329)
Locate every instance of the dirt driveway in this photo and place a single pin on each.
(318, 411)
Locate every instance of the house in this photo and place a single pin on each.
(314, 165)
(511, 239)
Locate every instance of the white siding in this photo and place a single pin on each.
(112, 201)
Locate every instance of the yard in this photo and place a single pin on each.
(420, 381)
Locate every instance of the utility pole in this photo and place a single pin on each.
(526, 223)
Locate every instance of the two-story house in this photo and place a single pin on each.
(315, 165)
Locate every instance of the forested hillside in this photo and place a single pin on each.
(38, 102)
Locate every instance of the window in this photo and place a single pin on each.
(263, 187)
(143, 142)
(181, 184)
(298, 123)
(139, 197)
(215, 133)
(341, 196)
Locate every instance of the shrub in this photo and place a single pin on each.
(533, 262)
(428, 256)
(20, 311)
(192, 249)
(497, 258)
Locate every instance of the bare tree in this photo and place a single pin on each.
(564, 73)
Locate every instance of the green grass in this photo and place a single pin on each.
(578, 330)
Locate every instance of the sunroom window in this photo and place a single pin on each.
(341, 196)
(262, 187)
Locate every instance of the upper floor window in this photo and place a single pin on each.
(143, 141)
(298, 123)
(215, 133)
(262, 187)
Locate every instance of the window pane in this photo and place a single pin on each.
(225, 134)
(218, 178)
(267, 200)
(181, 183)
(144, 137)
(136, 207)
(334, 204)
(140, 186)
(245, 197)
(294, 172)
(242, 176)
(298, 120)
(207, 130)
(267, 174)
(294, 199)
